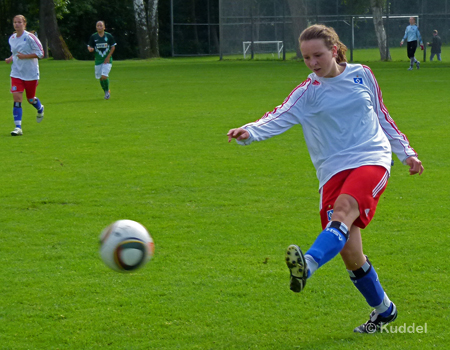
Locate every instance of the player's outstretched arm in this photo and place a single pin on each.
(238, 134)
(415, 165)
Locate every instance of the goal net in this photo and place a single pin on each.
(255, 27)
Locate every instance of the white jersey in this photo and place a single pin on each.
(27, 43)
(344, 121)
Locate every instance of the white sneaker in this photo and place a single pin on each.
(17, 132)
(40, 115)
(107, 95)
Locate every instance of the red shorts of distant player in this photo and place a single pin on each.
(365, 184)
(19, 85)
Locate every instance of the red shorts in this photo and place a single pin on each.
(365, 184)
(19, 85)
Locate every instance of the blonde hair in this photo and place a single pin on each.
(329, 36)
(21, 17)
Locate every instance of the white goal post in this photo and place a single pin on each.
(247, 44)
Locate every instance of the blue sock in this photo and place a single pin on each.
(366, 281)
(328, 244)
(37, 104)
(17, 113)
(388, 311)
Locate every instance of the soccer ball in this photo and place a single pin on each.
(126, 245)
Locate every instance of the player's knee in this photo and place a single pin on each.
(345, 209)
(345, 204)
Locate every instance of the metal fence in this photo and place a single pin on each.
(248, 28)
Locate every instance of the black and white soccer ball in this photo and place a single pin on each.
(126, 245)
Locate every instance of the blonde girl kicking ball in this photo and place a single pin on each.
(350, 137)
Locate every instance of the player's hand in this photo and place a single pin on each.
(401, 43)
(90, 49)
(421, 47)
(238, 134)
(8, 60)
(415, 165)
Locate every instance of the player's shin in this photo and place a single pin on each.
(366, 281)
(326, 246)
(37, 104)
(17, 113)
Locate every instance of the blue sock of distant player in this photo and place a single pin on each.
(17, 113)
(37, 104)
(366, 280)
(326, 246)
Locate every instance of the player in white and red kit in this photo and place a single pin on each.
(350, 138)
(26, 50)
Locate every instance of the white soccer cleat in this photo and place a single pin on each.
(410, 68)
(40, 115)
(17, 132)
(107, 95)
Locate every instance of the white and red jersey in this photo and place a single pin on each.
(27, 43)
(345, 122)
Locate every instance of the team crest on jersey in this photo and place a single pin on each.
(329, 214)
(357, 80)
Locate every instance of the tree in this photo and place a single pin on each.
(42, 34)
(377, 12)
(298, 8)
(153, 29)
(141, 28)
(56, 43)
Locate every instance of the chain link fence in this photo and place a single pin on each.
(270, 28)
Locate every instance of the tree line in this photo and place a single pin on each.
(142, 28)
(64, 26)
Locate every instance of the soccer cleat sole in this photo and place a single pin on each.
(295, 261)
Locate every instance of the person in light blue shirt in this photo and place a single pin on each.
(412, 35)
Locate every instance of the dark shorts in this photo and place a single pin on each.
(411, 48)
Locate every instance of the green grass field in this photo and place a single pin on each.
(221, 215)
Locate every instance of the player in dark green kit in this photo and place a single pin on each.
(103, 44)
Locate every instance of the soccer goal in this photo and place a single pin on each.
(261, 46)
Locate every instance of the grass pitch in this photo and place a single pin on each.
(221, 215)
